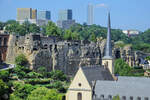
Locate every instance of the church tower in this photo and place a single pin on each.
(107, 60)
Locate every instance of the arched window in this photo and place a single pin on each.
(79, 96)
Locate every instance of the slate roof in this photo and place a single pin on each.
(125, 86)
(94, 73)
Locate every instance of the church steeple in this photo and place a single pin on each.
(107, 60)
(108, 48)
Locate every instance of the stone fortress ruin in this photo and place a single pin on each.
(57, 54)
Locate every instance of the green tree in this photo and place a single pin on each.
(12, 27)
(43, 93)
(21, 60)
(93, 37)
(58, 75)
(10, 22)
(42, 70)
(123, 69)
(4, 75)
(33, 28)
(67, 35)
(22, 90)
(26, 26)
(52, 29)
(20, 30)
(21, 71)
(147, 58)
(2, 25)
(3, 89)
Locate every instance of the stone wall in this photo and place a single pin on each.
(52, 53)
(56, 54)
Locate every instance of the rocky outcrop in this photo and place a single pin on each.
(52, 53)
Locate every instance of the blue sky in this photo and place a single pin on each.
(125, 14)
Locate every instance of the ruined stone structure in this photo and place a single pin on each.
(56, 54)
(133, 58)
(53, 53)
(3, 46)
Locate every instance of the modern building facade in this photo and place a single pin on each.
(65, 24)
(65, 14)
(44, 15)
(65, 19)
(90, 14)
(34, 14)
(26, 14)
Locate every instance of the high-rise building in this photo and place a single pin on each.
(34, 14)
(44, 15)
(65, 14)
(65, 19)
(90, 14)
(26, 14)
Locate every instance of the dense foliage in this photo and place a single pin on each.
(14, 27)
(4, 89)
(21, 60)
(21, 83)
(43, 93)
(123, 69)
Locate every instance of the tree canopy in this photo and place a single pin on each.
(21, 60)
(52, 29)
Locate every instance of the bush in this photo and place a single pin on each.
(123, 69)
(22, 90)
(58, 75)
(33, 75)
(4, 75)
(21, 71)
(21, 60)
(3, 89)
(43, 93)
(38, 81)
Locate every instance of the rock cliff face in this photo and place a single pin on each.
(52, 53)
(56, 54)
(133, 58)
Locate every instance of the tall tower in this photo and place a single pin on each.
(90, 14)
(107, 60)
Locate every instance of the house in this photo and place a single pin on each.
(84, 81)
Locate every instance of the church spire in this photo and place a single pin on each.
(108, 48)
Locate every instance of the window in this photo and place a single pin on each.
(131, 98)
(5, 41)
(138, 98)
(109, 97)
(146, 98)
(102, 97)
(124, 98)
(79, 96)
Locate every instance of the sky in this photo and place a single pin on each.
(125, 14)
